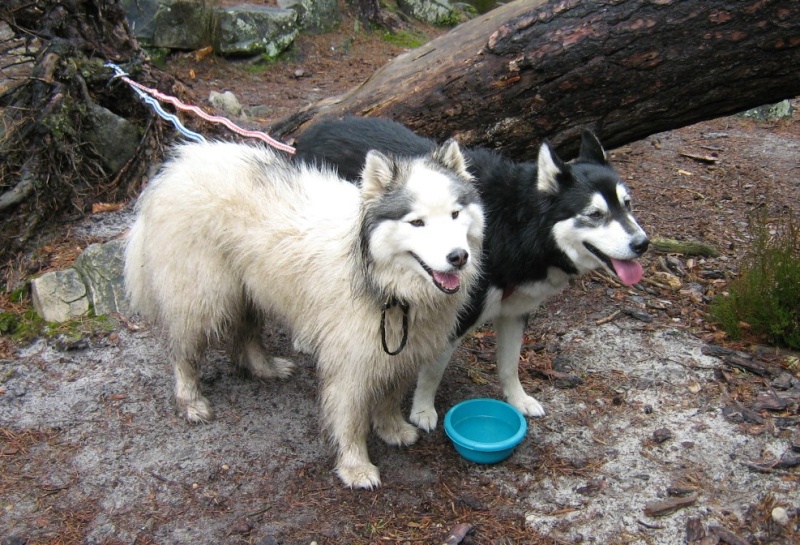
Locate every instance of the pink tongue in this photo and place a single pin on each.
(630, 272)
(448, 280)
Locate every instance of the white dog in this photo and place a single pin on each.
(371, 279)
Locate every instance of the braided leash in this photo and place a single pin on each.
(149, 95)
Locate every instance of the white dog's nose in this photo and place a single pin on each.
(458, 258)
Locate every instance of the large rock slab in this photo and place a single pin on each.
(433, 12)
(115, 138)
(174, 24)
(102, 268)
(314, 16)
(254, 30)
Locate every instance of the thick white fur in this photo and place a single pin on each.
(227, 233)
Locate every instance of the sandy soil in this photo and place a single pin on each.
(91, 450)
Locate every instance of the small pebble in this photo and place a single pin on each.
(661, 435)
(780, 516)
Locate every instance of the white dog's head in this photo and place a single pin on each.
(422, 225)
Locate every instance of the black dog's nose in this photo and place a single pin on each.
(640, 246)
(458, 258)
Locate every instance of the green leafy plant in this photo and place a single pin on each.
(766, 295)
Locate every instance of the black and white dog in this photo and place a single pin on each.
(546, 222)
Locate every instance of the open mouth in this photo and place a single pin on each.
(448, 282)
(627, 270)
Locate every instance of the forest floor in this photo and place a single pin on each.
(653, 434)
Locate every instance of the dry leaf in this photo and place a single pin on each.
(100, 207)
(201, 54)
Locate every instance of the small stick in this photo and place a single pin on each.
(610, 318)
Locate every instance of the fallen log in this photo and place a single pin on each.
(533, 69)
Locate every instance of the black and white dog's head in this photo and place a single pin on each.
(594, 223)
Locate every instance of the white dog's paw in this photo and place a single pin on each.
(527, 405)
(270, 368)
(360, 476)
(283, 367)
(197, 411)
(424, 419)
(397, 433)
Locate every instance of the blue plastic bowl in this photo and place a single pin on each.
(485, 431)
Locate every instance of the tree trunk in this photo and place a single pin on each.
(533, 69)
(371, 12)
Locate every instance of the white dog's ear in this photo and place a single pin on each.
(550, 169)
(377, 174)
(450, 156)
(591, 149)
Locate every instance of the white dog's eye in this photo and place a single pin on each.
(417, 223)
(455, 214)
(627, 204)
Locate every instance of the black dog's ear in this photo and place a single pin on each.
(591, 149)
(450, 156)
(549, 169)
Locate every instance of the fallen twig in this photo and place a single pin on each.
(666, 507)
(727, 536)
(670, 246)
(709, 159)
(650, 526)
(610, 318)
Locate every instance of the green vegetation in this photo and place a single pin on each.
(766, 296)
(409, 40)
(22, 325)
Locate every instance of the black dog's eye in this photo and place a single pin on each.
(455, 214)
(417, 223)
(628, 205)
(596, 215)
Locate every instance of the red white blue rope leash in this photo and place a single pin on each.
(149, 95)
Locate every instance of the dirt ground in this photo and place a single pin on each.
(648, 439)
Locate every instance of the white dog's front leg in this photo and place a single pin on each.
(423, 412)
(509, 332)
(346, 415)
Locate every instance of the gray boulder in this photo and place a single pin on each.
(115, 138)
(433, 12)
(174, 24)
(60, 296)
(770, 112)
(254, 30)
(314, 16)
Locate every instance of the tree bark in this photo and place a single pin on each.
(533, 69)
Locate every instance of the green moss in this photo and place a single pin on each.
(409, 40)
(766, 295)
(158, 56)
(27, 327)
